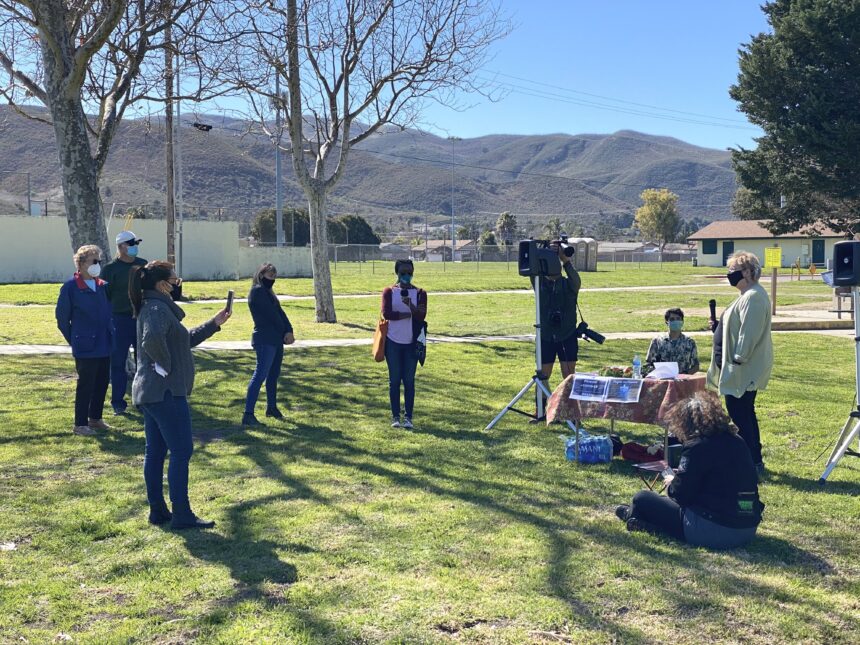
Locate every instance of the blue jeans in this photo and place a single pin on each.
(269, 359)
(167, 426)
(402, 361)
(124, 336)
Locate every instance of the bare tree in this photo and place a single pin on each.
(87, 61)
(348, 68)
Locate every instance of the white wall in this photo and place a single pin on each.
(290, 262)
(792, 249)
(36, 249)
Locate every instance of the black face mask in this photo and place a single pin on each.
(266, 282)
(176, 292)
(735, 277)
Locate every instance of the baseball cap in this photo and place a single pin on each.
(127, 236)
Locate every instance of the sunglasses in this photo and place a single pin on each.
(131, 243)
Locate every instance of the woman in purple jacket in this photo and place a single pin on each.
(84, 318)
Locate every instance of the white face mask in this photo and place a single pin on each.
(94, 270)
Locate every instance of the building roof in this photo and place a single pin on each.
(621, 246)
(751, 230)
(433, 245)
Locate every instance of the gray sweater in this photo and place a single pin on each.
(163, 339)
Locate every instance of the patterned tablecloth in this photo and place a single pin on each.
(655, 399)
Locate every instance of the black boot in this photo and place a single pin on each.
(184, 518)
(275, 413)
(159, 513)
(250, 421)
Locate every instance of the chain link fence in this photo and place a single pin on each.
(368, 257)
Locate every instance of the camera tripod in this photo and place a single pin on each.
(537, 380)
(851, 429)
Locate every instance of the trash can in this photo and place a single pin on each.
(695, 262)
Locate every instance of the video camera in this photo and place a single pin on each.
(537, 258)
(583, 331)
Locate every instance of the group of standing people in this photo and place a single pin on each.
(712, 497)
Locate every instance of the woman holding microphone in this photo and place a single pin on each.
(162, 384)
(404, 306)
(743, 351)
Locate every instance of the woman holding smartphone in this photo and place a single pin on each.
(161, 387)
(404, 306)
(272, 330)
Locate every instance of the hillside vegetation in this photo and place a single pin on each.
(391, 177)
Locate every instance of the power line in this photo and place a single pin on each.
(622, 101)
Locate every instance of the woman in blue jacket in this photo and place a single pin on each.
(84, 318)
(272, 330)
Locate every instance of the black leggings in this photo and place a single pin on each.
(742, 412)
(659, 514)
(93, 377)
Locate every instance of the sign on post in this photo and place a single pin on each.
(773, 260)
(773, 257)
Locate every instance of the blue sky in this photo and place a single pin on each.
(566, 60)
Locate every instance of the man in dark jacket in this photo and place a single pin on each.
(116, 274)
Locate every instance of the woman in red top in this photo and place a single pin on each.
(405, 307)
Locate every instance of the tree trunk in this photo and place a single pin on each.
(78, 171)
(79, 177)
(319, 254)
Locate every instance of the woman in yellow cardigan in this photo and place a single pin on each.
(743, 352)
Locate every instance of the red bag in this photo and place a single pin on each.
(638, 453)
(379, 340)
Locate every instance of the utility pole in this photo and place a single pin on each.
(179, 213)
(453, 232)
(168, 131)
(279, 225)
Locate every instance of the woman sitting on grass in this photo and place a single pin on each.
(713, 497)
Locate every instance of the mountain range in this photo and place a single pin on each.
(394, 178)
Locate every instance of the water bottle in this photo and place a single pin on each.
(637, 366)
(605, 453)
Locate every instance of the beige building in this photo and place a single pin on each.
(37, 249)
(718, 240)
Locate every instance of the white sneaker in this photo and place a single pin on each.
(407, 423)
(395, 423)
(84, 431)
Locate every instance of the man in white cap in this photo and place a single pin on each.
(116, 274)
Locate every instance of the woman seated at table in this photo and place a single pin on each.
(673, 347)
(713, 497)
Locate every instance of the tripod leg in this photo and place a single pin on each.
(842, 445)
(513, 402)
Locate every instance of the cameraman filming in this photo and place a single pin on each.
(558, 296)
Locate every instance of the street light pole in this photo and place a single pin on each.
(453, 232)
(279, 225)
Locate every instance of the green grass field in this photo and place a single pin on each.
(372, 277)
(334, 528)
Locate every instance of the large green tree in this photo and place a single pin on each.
(657, 218)
(801, 85)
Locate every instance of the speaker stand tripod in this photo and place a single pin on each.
(538, 380)
(851, 429)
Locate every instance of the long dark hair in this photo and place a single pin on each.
(264, 268)
(146, 277)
